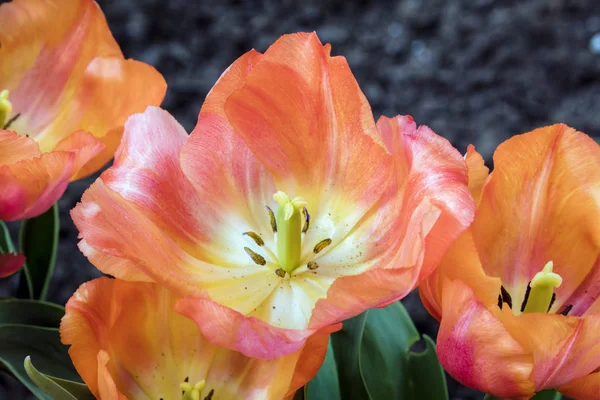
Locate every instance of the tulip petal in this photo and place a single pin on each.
(564, 348)
(250, 336)
(10, 263)
(586, 388)
(85, 147)
(477, 350)
(15, 147)
(540, 205)
(125, 337)
(478, 172)
(30, 187)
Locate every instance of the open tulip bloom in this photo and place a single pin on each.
(65, 93)
(127, 343)
(518, 294)
(286, 211)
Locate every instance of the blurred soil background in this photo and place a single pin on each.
(475, 71)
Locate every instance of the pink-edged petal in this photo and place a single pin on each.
(476, 349)
(10, 263)
(250, 336)
(30, 187)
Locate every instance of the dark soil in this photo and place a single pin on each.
(476, 71)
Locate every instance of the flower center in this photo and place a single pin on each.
(5, 109)
(540, 295)
(289, 224)
(193, 392)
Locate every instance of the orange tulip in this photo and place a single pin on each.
(127, 342)
(518, 294)
(286, 211)
(65, 93)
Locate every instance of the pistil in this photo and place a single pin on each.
(192, 392)
(289, 218)
(5, 108)
(542, 290)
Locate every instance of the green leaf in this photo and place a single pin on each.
(6, 244)
(42, 345)
(56, 388)
(549, 394)
(38, 241)
(346, 345)
(326, 384)
(427, 378)
(30, 312)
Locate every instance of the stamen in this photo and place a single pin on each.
(210, 394)
(541, 291)
(10, 121)
(257, 239)
(312, 265)
(280, 272)
(506, 298)
(257, 258)
(526, 298)
(551, 302)
(321, 245)
(272, 219)
(566, 310)
(500, 302)
(306, 220)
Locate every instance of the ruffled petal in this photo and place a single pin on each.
(476, 349)
(15, 147)
(84, 146)
(30, 187)
(586, 388)
(250, 336)
(10, 263)
(126, 338)
(540, 205)
(478, 172)
(564, 348)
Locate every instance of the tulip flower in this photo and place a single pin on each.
(286, 211)
(10, 263)
(65, 93)
(518, 294)
(127, 342)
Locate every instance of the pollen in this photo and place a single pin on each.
(257, 258)
(257, 239)
(321, 245)
(312, 265)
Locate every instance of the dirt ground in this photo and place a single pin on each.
(475, 71)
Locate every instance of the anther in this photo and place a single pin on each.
(272, 219)
(551, 302)
(306, 220)
(524, 303)
(312, 265)
(566, 310)
(506, 298)
(10, 121)
(500, 302)
(321, 245)
(257, 239)
(257, 258)
(280, 272)
(210, 394)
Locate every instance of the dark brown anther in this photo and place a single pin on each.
(500, 302)
(566, 310)
(257, 239)
(210, 394)
(321, 245)
(306, 220)
(187, 379)
(272, 219)
(10, 121)
(312, 265)
(506, 298)
(526, 298)
(257, 258)
(551, 302)
(280, 272)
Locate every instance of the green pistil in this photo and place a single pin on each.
(192, 392)
(5, 108)
(289, 219)
(542, 289)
